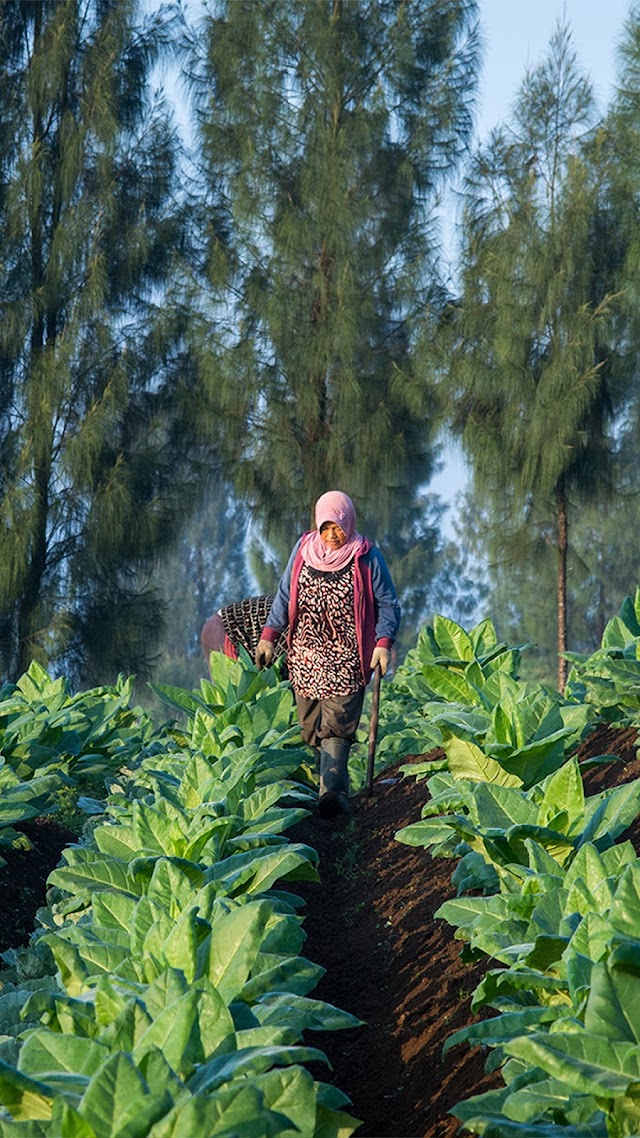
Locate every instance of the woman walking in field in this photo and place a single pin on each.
(338, 598)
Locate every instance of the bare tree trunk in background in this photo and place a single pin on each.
(561, 504)
(601, 614)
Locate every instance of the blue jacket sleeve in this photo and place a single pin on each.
(387, 605)
(278, 617)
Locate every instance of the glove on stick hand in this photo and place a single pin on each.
(264, 654)
(381, 656)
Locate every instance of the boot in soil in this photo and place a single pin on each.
(330, 805)
(334, 778)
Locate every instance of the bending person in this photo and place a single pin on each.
(238, 624)
(338, 598)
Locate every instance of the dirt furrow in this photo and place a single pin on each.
(370, 922)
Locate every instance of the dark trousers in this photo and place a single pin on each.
(336, 717)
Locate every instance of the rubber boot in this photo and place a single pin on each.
(334, 777)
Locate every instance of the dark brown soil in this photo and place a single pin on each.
(23, 878)
(370, 922)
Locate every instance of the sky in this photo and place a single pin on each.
(516, 35)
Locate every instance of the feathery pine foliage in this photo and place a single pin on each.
(92, 466)
(531, 374)
(206, 571)
(330, 128)
(623, 234)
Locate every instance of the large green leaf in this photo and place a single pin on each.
(587, 1063)
(113, 911)
(236, 1110)
(610, 813)
(22, 1096)
(624, 914)
(255, 871)
(89, 870)
(502, 987)
(174, 944)
(302, 1013)
(497, 1126)
(533, 761)
(465, 913)
(235, 944)
(154, 830)
(178, 698)
(256, 805)
(431, 831)
(589, 942)
(468, 761)
(196, 1026)
(250, 1060)
(456, 719)
(71, 966)
(292, 1093)
(167, 987)
(620, 630)
(44, 1052)
(451, 639)
(613, 1006)
(483, 638)
(97, 955)
(66, 1122)
(550, 1098)
(118, 1102)
(498, 1029)
(599, 870)
(117, 841)
(290, 974)
(513, 845)
(128, 1026)
(449, 685)
(171, 887)
(494, 806)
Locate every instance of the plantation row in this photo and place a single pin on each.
(165, 993)
(560, 902)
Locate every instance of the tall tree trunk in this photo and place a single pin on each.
(27, 613)
(318, 428)
(563, 529)
(601, 614)
(37, 557)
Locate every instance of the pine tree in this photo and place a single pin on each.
(531, 373)
(623, 233)
(330, 128)
(92, 478)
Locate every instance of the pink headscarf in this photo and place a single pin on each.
(336, 507)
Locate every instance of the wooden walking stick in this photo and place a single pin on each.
(373, 728)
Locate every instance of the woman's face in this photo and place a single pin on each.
(332, 535)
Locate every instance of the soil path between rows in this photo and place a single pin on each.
(370, 923)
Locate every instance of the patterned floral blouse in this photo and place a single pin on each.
(323, 657)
